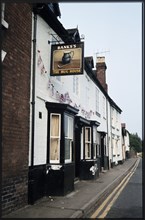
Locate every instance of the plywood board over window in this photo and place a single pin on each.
(55, 122)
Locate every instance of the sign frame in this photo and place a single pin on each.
(67, 59)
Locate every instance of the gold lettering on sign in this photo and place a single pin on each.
(67, 47)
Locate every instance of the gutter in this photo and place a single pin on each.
(107, 130)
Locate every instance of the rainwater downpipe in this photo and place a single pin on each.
(111, 132)
(33, 90)
(107, 129)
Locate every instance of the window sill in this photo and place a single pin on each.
(5, 24)
(3, 54)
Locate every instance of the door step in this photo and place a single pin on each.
(76, 180)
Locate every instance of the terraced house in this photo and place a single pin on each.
(59, 122)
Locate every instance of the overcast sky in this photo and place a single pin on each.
(117, 29)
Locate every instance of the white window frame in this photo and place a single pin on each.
(105, 147)
(4, 23)
(82, 144)
(94, 142)
(55, 137)
(112, 116)
(76, 85)
(88, 143)
(70, 136)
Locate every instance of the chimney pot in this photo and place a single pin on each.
(100, 60)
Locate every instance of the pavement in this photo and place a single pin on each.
(82, 201)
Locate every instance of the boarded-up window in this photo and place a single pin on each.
(55, 120)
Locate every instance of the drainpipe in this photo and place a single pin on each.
(33, 90)
(107, 129)
(111, 132)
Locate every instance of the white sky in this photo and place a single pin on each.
(117, 28)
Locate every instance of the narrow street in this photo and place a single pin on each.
(126, 200)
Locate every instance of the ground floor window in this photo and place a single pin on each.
(87, 142)
(94, 142)
(55, 132)
(69, 128)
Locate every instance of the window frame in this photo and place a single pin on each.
(55, 137)
(76, 85)
(87, 143)
(4, 23)
(69, 137)
(94, 142)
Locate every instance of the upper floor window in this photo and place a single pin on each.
(97, 100)
(104, 107)
(4, 23)
(2, 10)
(75, 85)
(113, 116)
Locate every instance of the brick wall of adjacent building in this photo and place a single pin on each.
(16, 69)
(101, 72)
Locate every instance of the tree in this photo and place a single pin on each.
(135, 142)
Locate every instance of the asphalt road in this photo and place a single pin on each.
(129, 203)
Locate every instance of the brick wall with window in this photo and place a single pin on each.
(16, 68)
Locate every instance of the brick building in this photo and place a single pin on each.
(16, 67)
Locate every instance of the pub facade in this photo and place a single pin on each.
(72, 126)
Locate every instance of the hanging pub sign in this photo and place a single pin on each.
(67, 59)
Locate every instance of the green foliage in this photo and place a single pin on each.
(135, 142)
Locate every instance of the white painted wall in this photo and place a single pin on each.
(50, 88)
(127, 141)
(115, 132)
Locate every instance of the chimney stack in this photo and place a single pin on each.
(123, 125)
(101, 72)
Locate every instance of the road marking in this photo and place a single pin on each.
(120, 188)
(114, 199)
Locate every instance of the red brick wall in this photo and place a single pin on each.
(101, 74)
(16, 69)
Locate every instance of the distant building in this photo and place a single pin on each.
(125, 142)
